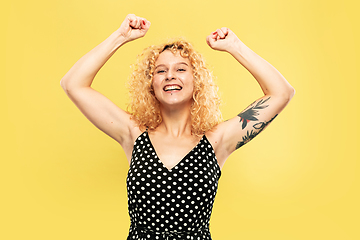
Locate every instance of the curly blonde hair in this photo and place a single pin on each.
(143, 105)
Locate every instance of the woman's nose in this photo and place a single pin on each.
(170, 75)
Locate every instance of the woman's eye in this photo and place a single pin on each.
(161, 71)
(181, 69)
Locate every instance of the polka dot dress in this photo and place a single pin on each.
(171, 204)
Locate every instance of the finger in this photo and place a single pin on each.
(138, 23)
(131, 18)
(210, 40)
(132, 22)
(145, 24)
(225, 30)
(142, 24)
(220, 33)
(214, 35)
(135, 23)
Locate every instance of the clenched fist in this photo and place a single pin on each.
(223, 39)
(133, 27)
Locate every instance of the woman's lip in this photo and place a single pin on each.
(173, 90)
(170, 85)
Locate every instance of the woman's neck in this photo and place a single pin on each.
(175, 122)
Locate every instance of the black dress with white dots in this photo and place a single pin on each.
(171, 204)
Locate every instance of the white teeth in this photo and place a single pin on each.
(172, 87)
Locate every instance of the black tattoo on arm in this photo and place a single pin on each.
(250, 113)
(253, 133)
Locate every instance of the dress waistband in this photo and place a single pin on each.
(169, 235)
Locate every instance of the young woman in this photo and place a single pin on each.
(173, 136)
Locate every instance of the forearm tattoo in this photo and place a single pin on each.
(249, 115)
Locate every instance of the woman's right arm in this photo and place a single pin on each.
(76, 83)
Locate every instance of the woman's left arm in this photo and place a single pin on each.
(234, 133)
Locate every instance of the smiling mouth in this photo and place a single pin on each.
(168, 88)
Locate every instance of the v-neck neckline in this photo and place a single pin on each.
(178, 163)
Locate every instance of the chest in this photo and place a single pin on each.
(171, 151)
(198, 163)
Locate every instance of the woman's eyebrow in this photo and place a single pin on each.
(159, 66)
(163, 65)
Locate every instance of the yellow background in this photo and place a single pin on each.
(61, 178)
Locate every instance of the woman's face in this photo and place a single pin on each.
(173, 80)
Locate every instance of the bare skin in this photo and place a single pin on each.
(172, 139)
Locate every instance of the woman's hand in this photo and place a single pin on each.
(223, 39)
(133, 27)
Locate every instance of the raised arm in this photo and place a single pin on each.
(234, 133)
(103, 113)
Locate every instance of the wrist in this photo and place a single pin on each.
(241, 52)
(117, 38)
(238, 47)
